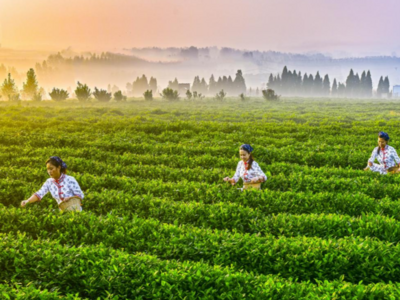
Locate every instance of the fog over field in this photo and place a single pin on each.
(65, 67)
(183, 39)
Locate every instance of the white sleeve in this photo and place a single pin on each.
(373, 155)
(237, 173)
(76, 189)
(256, 167)
(396, 156)
(43, 190)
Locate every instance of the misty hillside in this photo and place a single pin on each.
(65, 68)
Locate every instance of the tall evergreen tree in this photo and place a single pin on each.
(311, 84)
(317, 86)
(334, 92)
(225, 85)
(239, 83)
(212, 86)
(368, 85)
(270, 83)
(203, 86)
(386, 85)
(153, 85)
(289, 83)
(299, 83)
(8, 88)
(295, 82)
(380, 88)
(220, 84)
(278, 84)
(326, 86)
(230, 87)
(304, 87)
(284, 81)
(356, 85)
(350, 84)
(196, 85)
(31, 87)
(363, 84)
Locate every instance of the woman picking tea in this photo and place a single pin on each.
(63, 188)
(248, 170)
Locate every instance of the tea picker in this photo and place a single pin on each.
(389, 161)
(248, 170)
(63, 188)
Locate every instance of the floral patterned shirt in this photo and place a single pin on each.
(65, 187)
(248, 175)
(387, 157)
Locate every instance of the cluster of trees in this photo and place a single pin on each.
(92, 58)
(232, 87)
(4, 71)
(30, 88)
(288, 83)
(141, 85)
(383, 86)
(294, 84)
(32, 91)
(83, 93)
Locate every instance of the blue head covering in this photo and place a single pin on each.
(383, 135)
(247, 147)
(60, 162)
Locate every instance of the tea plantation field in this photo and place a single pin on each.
(158, 221)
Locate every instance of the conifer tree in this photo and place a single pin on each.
(334, 91)
(153, 85)
(386, 85)
(326, 86)
(350, 84)
(8, 88)
(239, 83)
(380, 89)
(31, 87)
(212, 86)
(368, 85)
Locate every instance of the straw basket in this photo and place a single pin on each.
(73, 204)
(247, 186)
(394, 170)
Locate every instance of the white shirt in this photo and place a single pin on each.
(65, 187)
(248, 175)
(387, 157)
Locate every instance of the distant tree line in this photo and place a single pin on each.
(290, 83)
(231, 87)
(31, 91)
(141, 85)
(287, 83)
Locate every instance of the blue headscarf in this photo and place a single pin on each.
(60, 162)
(383, 135)
(247, 147)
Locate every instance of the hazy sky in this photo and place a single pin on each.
(338, 27)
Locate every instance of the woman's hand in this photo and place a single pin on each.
(259, 179)
(25, 202)
(230, 180)
(370, 164)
